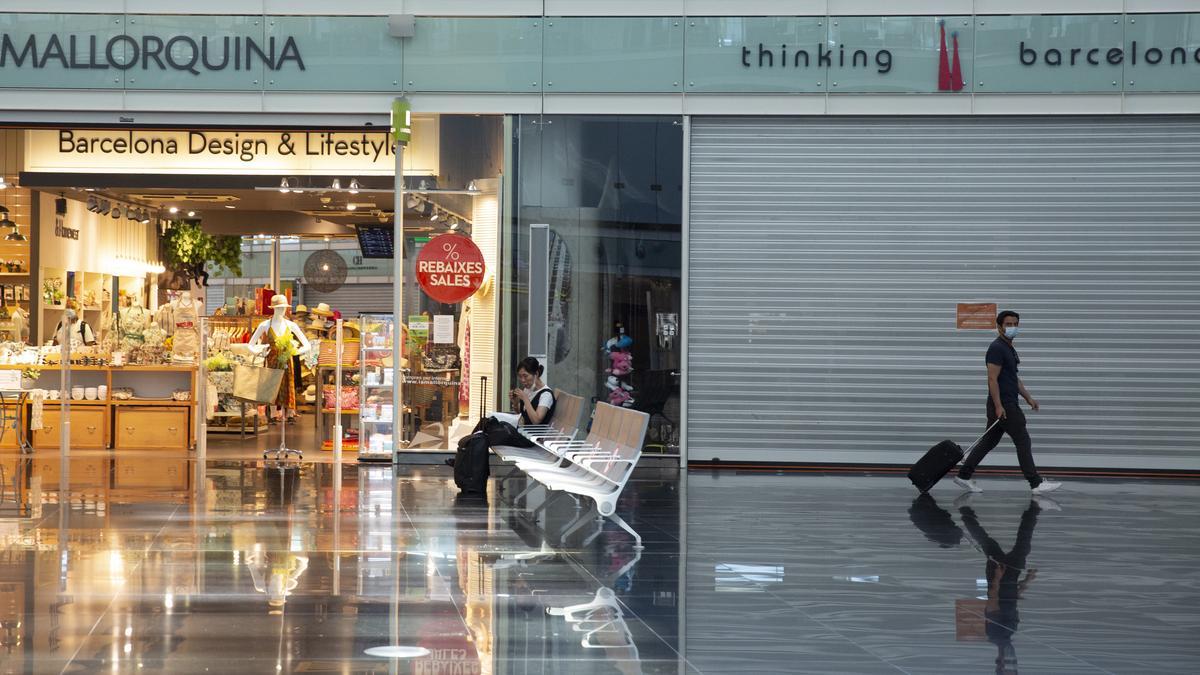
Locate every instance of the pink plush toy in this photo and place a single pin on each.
(622, 363)
(618, 393)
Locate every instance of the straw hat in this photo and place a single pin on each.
(278, 301)
(322, 309)
(301, 309)
(318, 322)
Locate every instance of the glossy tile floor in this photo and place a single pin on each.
(152, 563)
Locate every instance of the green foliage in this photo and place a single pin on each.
(186, 245)
(218, 364)
(284, 348)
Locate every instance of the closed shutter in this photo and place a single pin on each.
(354, 299)
(827, 256)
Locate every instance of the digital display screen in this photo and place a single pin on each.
(376, 241)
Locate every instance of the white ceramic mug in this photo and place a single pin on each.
(77, 393)
(102, 392)
(90, 393)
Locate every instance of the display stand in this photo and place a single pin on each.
(283, 451)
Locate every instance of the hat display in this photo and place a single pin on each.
(278, 301)
(301, 309)
(322, 309)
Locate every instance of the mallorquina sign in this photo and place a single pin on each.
(126, 52)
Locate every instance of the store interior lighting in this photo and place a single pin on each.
(352, 207)
(354, 186)
(173, 210)
(3, 183)
(336, 184)
(285, 185)
(191, 214)
(413, 202)
(454, 223)
(472, 187)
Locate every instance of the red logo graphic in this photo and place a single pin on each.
(450, 268)
(949, 78)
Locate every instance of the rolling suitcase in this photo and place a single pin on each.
(472, 466)
(938, 461)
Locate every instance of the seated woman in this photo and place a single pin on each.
(533, 403)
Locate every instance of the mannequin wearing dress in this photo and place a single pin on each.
(263, 341)
(132, 322)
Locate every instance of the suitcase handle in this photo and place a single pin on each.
(985, 433)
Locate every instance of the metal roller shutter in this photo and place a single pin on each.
(354, 299)
(827, 256)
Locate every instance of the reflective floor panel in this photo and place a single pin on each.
(137, 563)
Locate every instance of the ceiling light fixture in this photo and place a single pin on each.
(230, 206)
(3, 183)
(15, 235)
(191, 214)
(285, 185)
(354, 186)
(352, 207)
(412, 202)
(336, 184)
(472, 187)
(436, 215)
(454, 223)
(173, 209)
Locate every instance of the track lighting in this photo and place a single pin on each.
(354, 186)
(454, 224)
(336, 184)
(352, 207)
(472, 187)
(436, 215)
(413, 202)
(285, 185)
(173, 210)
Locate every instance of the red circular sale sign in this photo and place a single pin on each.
(450, 268)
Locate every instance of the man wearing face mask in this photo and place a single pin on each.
(1004, 385)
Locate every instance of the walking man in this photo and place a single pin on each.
(1003, 387)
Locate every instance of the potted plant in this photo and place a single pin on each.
(29, 377)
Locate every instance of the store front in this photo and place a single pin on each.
(758, 207)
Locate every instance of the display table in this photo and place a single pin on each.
(150, 420)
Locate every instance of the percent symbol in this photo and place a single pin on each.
(451, 251)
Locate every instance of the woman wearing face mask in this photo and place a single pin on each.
(534, 401)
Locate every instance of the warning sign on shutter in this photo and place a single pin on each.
(976, 315)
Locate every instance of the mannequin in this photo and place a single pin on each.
(185, 322)
(263, 341)
(132, 321)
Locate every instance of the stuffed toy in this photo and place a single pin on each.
(618, 342)
(618, 392)
(622, 363)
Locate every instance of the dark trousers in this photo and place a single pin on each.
(1013, 425)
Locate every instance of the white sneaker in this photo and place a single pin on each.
(1046, 486)
(968, 485)
(1046, 503)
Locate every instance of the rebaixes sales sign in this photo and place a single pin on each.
(450, 268)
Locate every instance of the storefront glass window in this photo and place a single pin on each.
(610, 190)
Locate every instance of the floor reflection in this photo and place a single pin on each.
(151, 564)
(134, 563)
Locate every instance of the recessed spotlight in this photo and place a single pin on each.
(326, 237)
(285, 186)
(336, 184)
(352, 207)
(191, 214)
(173, 209)
(354, 186)
(230, 206)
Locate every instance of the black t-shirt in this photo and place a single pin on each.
(1002, 353)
